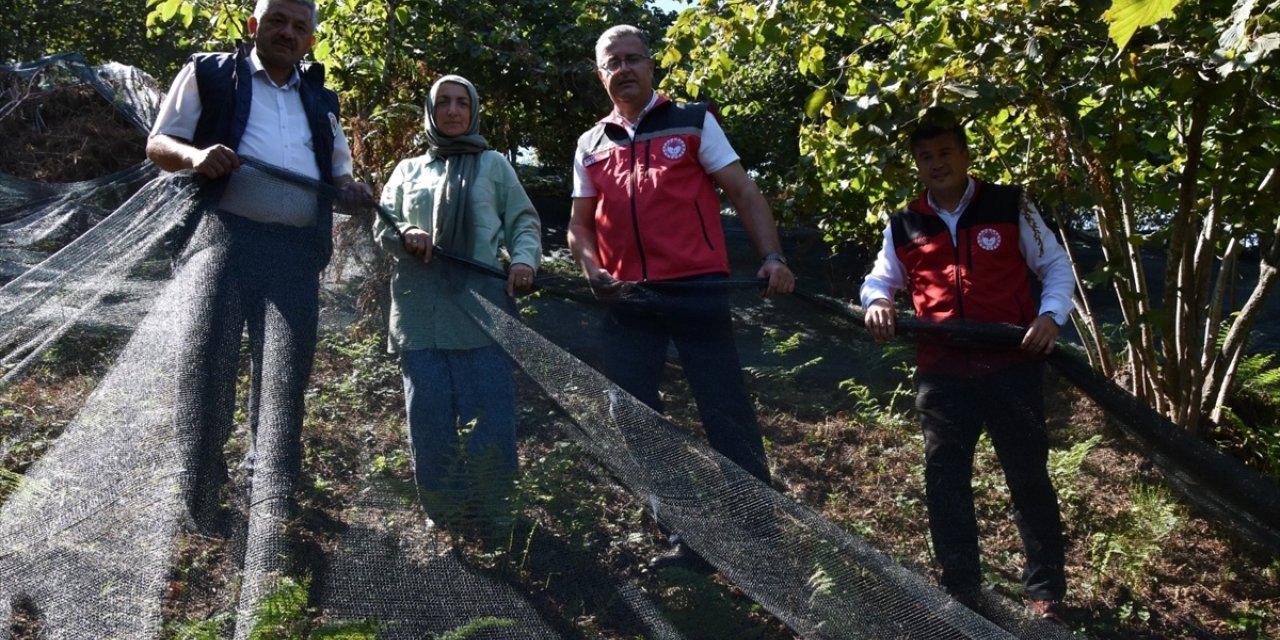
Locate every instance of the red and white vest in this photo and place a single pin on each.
(658, 214)
(982, 277)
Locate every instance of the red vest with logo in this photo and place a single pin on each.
(982, 277)
(658, 214)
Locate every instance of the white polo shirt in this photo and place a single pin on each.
(277, 133)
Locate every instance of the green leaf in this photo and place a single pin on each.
(817, 100)
(1127, 16)
(323, 51)
(1230, 39)
(169, 9)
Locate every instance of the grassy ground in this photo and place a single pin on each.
(1141, 563)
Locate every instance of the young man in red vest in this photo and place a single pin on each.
(964, 250)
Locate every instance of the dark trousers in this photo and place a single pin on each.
(636, 336)
(236, 275)
(953, 412)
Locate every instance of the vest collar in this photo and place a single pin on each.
(924, 202)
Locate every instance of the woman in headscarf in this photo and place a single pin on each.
(465, 199)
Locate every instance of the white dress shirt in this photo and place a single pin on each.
(277, 133)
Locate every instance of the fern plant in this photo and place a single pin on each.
(1258, 387)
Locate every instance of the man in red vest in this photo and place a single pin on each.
(646, 210)
(964, 250)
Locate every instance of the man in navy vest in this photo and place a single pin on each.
(646, 210)
(256, 254)
(964, 250)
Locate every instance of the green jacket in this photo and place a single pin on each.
(425, 311)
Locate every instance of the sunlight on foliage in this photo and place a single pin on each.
(210, 629)
(1127, 16)
(9, 482)
(1260, 377)
(1258, 435)
(821, 584)
(780, 347)
(1064, 469)
(865, 404)
(1123, 553)
(282, 614)
(477, 627)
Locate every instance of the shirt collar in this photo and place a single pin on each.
(964, 200)
(617, 117)
(255, 68)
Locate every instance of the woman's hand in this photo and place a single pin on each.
(519, 278)
(419, 243)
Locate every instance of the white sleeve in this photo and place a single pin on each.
(714, 151)
(1049, 261)
(887, 276)
(180, 110)
(582, 187)
(342, 164)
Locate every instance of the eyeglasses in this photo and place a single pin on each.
(614, 65)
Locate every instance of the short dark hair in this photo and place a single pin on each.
(938, 121)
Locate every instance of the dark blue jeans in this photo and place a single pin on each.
(953, 412)
(697, 320)
(446, 391)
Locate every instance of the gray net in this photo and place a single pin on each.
(96, 525)
(104, 277)
(822, 581)
(89, 532)
(193, 437)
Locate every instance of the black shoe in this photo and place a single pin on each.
(967, 598)
(1050, 611)
(682, 556)
(971, 600)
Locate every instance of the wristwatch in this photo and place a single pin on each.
(774, 256)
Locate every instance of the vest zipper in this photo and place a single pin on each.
(635, 219)
(959, 281)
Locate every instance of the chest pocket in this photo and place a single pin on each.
(419, 206)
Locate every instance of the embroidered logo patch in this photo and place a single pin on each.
(592, 159)
(674, 148)
(333, 124)
(989, 239)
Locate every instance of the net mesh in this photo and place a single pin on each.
(95, 524)
(822, 581)
(93, 534)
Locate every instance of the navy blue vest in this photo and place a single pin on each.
(226, 95)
